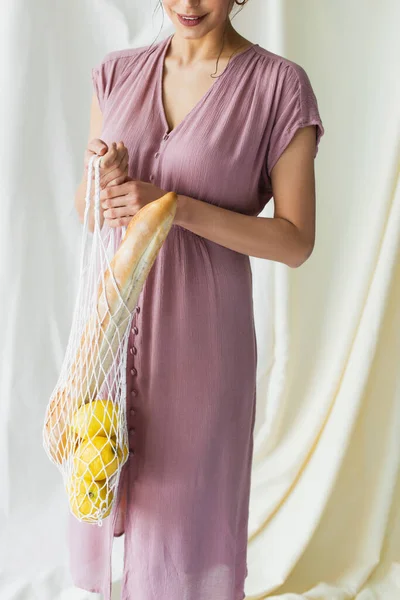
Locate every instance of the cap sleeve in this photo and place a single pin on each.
(106, 75)
(297, 107)
(99, 84)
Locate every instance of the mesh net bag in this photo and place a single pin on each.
(85, 428)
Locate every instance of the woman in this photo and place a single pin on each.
(225, 135)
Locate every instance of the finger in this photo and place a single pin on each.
(118, 175)
(119, 169)
(88, 156)
(119, 202)
(97, 146)
(121, 149)
(124, 162)
(122, 153)
(116, 201)
(107, 165)
(114, 191)
(117, 212)
(119, 216)
(123, 157)
(109, 158)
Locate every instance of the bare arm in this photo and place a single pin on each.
(288, 237)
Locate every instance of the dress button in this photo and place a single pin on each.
(132, 430)
(131, 350)
(157, 154)
(132, 411)
(138, 309)
(131, 452)
(134, 350)
(135, 330)
(133, 371)
(134, 392)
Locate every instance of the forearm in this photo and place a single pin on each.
(263, 237)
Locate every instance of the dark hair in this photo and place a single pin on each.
(240, 3)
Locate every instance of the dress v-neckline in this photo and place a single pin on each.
(160, 73)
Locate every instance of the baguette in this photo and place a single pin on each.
(107, 325)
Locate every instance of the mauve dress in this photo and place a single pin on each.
(191, 370)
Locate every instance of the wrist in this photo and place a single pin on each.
(181, 210)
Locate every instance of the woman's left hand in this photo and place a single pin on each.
(122, 202)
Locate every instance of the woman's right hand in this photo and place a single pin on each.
(113, 163)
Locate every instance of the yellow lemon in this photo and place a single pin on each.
(99, 417)
(97, 458)
(88, 499)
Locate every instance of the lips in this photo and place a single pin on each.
(190, 21)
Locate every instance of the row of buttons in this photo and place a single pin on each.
(157, 154)
(134, 392)
(135, 331)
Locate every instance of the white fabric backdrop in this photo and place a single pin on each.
(324, 513)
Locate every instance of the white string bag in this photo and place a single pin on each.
(85, 431)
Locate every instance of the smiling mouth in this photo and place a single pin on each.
(191, 17)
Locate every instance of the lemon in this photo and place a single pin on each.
(88, 499)
(97, 458)
(99, 417)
